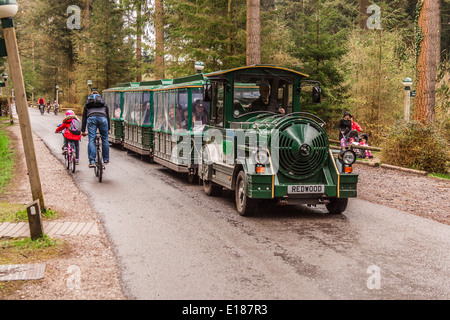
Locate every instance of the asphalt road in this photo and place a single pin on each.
(174, 242)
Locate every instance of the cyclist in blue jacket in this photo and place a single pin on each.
(96, 116)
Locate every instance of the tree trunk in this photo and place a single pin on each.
(138, 40)
(159, 39)
(363, 4)
(428, 21)
(253, 32)
(87, 15)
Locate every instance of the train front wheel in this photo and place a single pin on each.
(245, 206)
(337, 205)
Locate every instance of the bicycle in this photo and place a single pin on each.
(70, 156)
(41, 109)
(99, 165)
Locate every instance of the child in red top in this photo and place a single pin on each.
(69, 136)
(363, 142)
(355, 125)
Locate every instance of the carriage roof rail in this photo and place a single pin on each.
(188, 78)
(128, 84)
(151, 83)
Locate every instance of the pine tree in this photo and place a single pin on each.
(110, 57)
(429, 27)
(206, 30)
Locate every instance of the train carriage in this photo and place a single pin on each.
(138, 118)
(177, 131)
(114, 100)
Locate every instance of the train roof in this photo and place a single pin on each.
(256, 66)
(196, 80)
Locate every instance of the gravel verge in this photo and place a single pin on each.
(89, 269)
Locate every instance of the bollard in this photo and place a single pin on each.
(35, 220)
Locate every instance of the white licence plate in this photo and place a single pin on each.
(306, 189)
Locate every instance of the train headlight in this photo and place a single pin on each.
(348, 157)
(261, 156)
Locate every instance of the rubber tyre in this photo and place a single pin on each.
(66, 161)
(74, 162)
(211, 189)
(245, 206)
(99, 167)
(337, 205)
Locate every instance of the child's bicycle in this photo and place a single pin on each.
(70, 156)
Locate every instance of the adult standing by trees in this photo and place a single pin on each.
(345, 125)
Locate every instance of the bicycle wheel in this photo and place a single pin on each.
(67, 160)
(99, 165)
(74, 161)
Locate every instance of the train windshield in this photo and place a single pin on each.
(262, 93)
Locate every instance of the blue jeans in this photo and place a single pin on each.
(102, 124)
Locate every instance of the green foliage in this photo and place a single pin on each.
(108, 57)
(6, 158)
(210, 31)
(416, 146)
(28, 244)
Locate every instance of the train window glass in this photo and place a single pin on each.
(262, 92)
(171, 119)
(181, 111)
(166, 111)
(131, 108)
(126, 105)
(200, 110)
(145, 109)
(159, 111)
(218, 103)
(117, 110)
(137, 110)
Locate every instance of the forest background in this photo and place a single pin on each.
(68, 42)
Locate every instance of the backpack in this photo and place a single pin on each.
(75, 127)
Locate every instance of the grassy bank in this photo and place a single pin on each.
(6, 155)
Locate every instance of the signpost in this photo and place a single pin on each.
(8, 9)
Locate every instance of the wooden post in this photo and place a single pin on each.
(35, 220)
(22, 111)
(9, 101)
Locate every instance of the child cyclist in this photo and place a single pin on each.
(71, 135)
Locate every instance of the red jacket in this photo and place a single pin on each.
(65, 125)
(356, 126)
(41, 101)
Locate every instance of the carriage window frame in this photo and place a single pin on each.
(281, 91)
(137, 108)
(117, 97)
(126, 106)
(172, 95)
(217, 117)
(182, 103)
(158, 112)
(144, 111)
